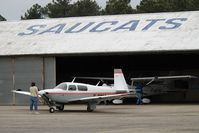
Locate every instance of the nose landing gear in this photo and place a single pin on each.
(51, 110)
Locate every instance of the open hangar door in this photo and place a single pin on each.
(133, 65)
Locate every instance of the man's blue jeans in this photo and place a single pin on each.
(139, 98)
(33, 102)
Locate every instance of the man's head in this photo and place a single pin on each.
(33, 84)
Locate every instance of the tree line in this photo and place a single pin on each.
(65, 8)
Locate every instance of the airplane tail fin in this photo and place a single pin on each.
(119, 81)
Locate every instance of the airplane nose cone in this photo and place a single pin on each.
(42, 92)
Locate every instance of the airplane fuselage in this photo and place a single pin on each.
(69, 92)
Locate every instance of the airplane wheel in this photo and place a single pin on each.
(51, 110)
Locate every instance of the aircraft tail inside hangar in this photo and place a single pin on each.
(49, 51)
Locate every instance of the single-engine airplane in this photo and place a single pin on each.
(68, 92)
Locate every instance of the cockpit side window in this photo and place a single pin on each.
(72, 88)
(82, 88)
(62, 86)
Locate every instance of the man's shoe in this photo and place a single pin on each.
(37, 113)
(31, 112)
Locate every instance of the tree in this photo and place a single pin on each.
(85, 8)
(154, 6)
(118, 7)
(35, 12)
(58, 9)
(167, 5)
(196, 4)
(185, 5)
(2, 18)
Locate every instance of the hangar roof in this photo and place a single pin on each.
(178, 31)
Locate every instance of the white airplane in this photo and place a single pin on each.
(68, 92)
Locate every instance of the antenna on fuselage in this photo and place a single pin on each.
(73, 80)
(98, 83)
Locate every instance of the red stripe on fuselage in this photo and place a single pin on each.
(94, 93)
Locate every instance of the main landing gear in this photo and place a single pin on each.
(60, 107)
(91, 107)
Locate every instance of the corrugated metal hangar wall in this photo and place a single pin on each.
(19, 72)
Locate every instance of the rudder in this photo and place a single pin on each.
(120, 84)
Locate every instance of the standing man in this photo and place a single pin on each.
(34, 98)
(139, 93)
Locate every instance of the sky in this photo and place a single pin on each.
(14, 9)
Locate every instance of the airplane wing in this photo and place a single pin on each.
(101, 79)
(163, 77)
(22, 92)
(145, 78)
(97, 78)
(156, 78)
(101, 98)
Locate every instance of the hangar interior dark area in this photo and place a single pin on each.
(133, 65)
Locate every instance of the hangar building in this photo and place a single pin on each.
(49, 51)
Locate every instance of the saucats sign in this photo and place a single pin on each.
(105, 26)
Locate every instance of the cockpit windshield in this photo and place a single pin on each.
(62, 86)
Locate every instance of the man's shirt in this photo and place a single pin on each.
(139, 89)
(33, 91)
